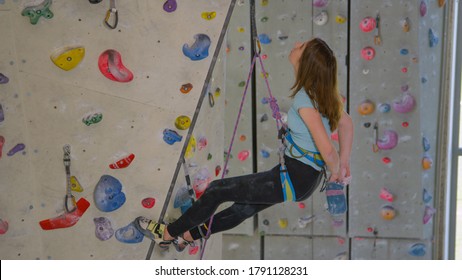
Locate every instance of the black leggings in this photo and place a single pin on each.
(250, 194)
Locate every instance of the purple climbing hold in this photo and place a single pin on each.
(423, 8)
(19, 147)
(170, 6)
(103, 229)
(2, 115)
(320, 3)
(3, 79)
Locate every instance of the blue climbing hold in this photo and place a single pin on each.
(432, 38)
(108, 194)
(426, 197)
(183, 199)
(384, 108)
(423, 80)
(200, 49)
(404, 51)
(336, 200)
(425, 144)
(417, 250)
(171, 136)
(264, 39)
(129, 234)
(264, 153)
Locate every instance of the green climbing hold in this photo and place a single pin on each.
(264, 19)
(242, 84)
(92, 119)
(209, 156)
(35, 12)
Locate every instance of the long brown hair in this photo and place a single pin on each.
(317, 74)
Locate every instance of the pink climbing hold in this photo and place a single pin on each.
(385, 194)
(202, 143)
(243, 155)
(367, 24)
(428, 214)
(2, 141)
(405, 104)
(301, 205)
(389, 140)
(320, 3)
(3, 226)
(368, 53)
(423, 8)
(148, 202)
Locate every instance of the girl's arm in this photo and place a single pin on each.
(313, 121)
(345, 137)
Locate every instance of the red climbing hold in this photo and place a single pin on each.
(111, 66)
(386, 160)
(125, 162)
(67, 219)
(148, 202)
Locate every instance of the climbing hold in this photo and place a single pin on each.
(367, 107)
(388, 212)
(241, 48)
(171, 136)
(301, 205)
(75, 185)
(19, 147)
(264, 19)
(201, 181)
(423, 8)
(283, 223)
(365, 71)
(3, 226)
(92, 118)
(148, 202)
(336, 201)
(186, 88)
(405, 104)
(441, 3)
(193, 249)
(183, 199)
(241, 29)
(428, 214)
(67, 219)
(264, 3)
(384, 107)
(2, 142)
(432, 38)
(35, 12)
(320, 3)
(304, 221)
(427, 163)
(264, 56)
(242, 138)
(423, 80)
(3, 79)
(389, 140)
(243, 155)
(95, 1)
(264, 39)
(103, 228)
(68, 58)
(367, 24)
(405, 124)
(264, 153)
(217, 92)
(199, 49)
(182, 122)
(108, 194)
(208, 15)
(209, 156)
(385, 194)
(340, 19)
(386, 160)
(111, 66)
(417, 250)
(405, 24)
(122, 163)
(264, 118)
(426, 196)
(217, 170)
(368, 53)
(321, 19)
(367, 124)
(415, 59)
(404, 69)
(2, 115)
(202, 143)
(266, 222)
(129, 234)
(282, 36)
(404, 88)
(404, 51)
(425, 144)
(170, 6)
(191, 148)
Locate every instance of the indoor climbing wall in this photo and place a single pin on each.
(394, 90)
(113, 102)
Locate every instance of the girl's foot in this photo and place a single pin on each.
(152, 230)
(181, 243)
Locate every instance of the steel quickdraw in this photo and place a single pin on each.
(112, 12)
(69, 199)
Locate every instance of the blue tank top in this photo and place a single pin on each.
(299, 131)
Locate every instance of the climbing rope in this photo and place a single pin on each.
(204, 92)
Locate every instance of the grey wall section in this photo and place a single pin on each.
(382, 80)
(44, 106)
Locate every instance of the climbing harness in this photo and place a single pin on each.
(69, 198)
(114, 13)
(204, 92)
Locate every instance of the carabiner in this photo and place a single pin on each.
(211, 100)
(112, 10)
(66, 203)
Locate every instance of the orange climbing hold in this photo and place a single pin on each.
(186, 88)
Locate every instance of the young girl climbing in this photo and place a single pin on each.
(317, 110)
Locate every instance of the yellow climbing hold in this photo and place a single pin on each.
(283, 223)
(191, 148)
(241, 29)
(182, 122)
(209, 15)
(340, 19)
(68, 58)
(75, 185)
(264, 3)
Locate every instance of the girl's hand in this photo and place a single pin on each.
(334, 177)
(345, 175)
